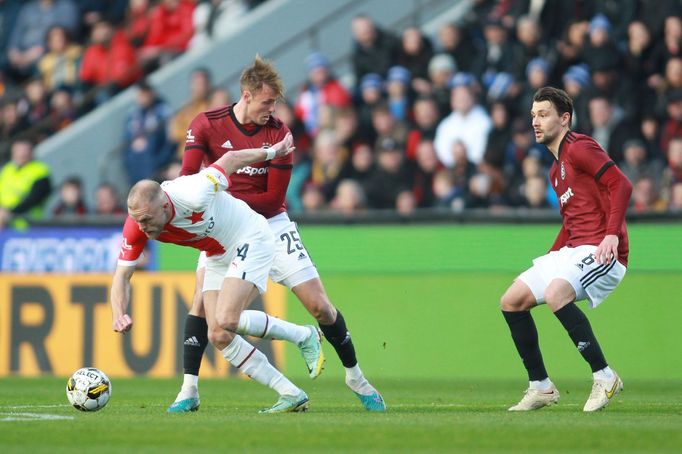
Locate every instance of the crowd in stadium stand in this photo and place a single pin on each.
(440, 122)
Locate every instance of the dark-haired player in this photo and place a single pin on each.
(587, 260)
(247, 124)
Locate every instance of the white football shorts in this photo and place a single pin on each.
(590, 280)
(250, 260)
(292, 264)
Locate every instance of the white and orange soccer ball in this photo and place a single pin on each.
(88, 389)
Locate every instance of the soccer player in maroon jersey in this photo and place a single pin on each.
(250, 124)
(587, 260)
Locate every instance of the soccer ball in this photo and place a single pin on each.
(88, 389)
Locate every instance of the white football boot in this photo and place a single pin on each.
(534, 399)
(602, 393)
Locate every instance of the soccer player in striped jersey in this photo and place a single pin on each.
(250, 124)
(196, 211)
(587, 260)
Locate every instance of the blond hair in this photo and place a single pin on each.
(261, 72)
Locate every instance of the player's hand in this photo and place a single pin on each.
(123, 324)
(285, 146)
(607, 250)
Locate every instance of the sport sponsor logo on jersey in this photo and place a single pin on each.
(565, 196)
(563, 171)
(251, 171)
(190, 137)
(227, 144)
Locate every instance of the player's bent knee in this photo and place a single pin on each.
(219, 338)
(228, 323)
(513, 301)
(323, 311)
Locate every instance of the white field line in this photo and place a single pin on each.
(35, 406)
(24, 416)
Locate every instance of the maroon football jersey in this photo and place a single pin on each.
(262, 185)
(583, 199)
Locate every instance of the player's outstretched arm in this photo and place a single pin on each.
(120, 298)
(235, 160)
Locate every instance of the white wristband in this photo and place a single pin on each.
(270, 153)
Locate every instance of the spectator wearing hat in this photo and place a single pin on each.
(371, 94)
(398, 92)
(414, 53)
(604, 60)
(600, 51)
(468, 122)
(576, 83)
(392, 175)
(374, 50)
(501, 88)
(321, 89)
(536, 76)
(619, 14)
(442, 68)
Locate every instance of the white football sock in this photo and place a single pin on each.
(354, 373)
(190, 387)
(541, 385)
(255, 365)
(260, 324)
(605, 374)
(357, 381)
(190, 380)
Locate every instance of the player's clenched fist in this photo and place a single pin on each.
(123, 324)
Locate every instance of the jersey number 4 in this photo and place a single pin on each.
(241, 251)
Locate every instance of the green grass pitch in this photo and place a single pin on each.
(425, 415)
(422, 306)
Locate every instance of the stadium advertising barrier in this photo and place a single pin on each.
(65, 250)
(55, 324)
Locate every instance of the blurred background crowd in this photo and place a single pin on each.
(423, 122)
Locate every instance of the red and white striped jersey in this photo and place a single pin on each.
(204, 216)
